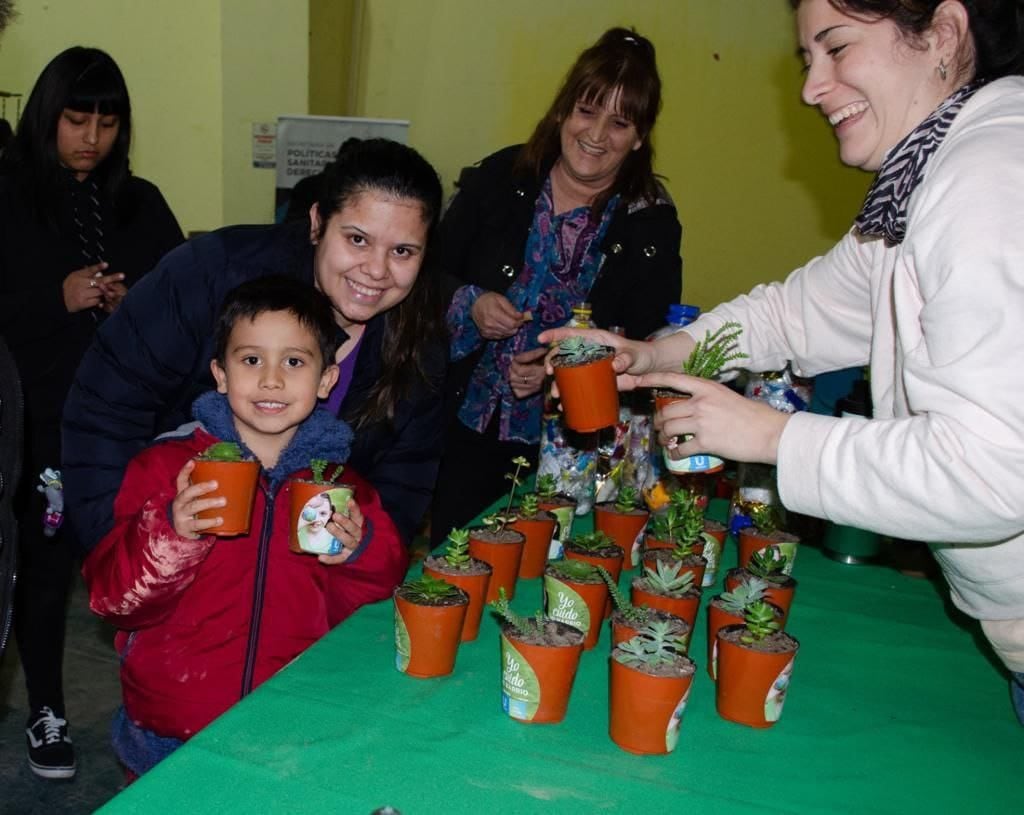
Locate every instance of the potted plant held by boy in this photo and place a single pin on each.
(471, 575)
(237, 478)
(586, 384)
(539, 658)
(429, 614)
(648, 687)
(576, 594)
(755, 661)
(622, 520)
(312, 503)
(499, 545)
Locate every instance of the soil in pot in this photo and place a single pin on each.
(427, 636)
(695, 564)
(623, 629)
(538, 530)
(589, 394)
(473, 580)
(646, 704)
(624, 528)
(537, 671)
(311, 505)
(753, 679)
(576, 601)
(237, 482)
(503, 551)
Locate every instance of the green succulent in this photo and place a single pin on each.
(222, 451)
(592, 541)
(578, 351)
(427, 590)
(654, 644)
(569, 569)
(627, 499)
(767, 567)
(712, 353)
(547, 486)
(765, 518)
(526, 626)
(528, 505)
(760, 622)
(318, 466)
(682, 523)
(635, 615)
(668, 580)
(743, 596)
(457, 552)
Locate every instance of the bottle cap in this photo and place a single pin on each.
(681, 314)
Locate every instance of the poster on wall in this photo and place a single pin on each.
(305, 144)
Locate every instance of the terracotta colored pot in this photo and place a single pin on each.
(503, 557)
(682, 607)
(752, 684)
(427, 637)
(564, 509)
(644, 711)
(475, 586)
(536, 680)
(613, 565)
(780, 595)
(580, 605)
(311, 505)
(696, 569)
(713, 552)
(590, 397)
(780, 543)
(237, 482)
(538, 533)
(719, 618)
(623, 528)
(622, 630)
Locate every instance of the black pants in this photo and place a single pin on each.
(472, 475)
(45, 569)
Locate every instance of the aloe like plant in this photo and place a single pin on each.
(714, 352)
(657, 643)
(222, 451)
(759, 621)
(457, 552)
(593, 542)
(627, 499)
(768, 568)
(667, 580)
(499, 520)
(578, 351)
(743, 596)
(428, 591)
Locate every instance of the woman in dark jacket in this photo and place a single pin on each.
(576, 214)
(76, 231)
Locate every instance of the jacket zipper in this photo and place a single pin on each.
(258, 593)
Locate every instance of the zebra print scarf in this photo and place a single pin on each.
(884, 212)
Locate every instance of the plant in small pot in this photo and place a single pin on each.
(237, 478)
(781, 588)
(763, 535)
(597, 549)
(562, 505)
(709, 356)
(627, 619)
(622, 520)
(576, 594)
(667, 586)
(539, 658)
(730, 608)
(312, 503)
(498, 544)
(471, 575)
(586, 384)
(648, 686)
(678, 533)
(429, 614)
(538, 527)
(755, 661)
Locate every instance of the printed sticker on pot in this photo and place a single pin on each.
(712, 552)
(786, 549)
(520, 690)
(563, 604)
(563, 529)
(672, 732)
(777, 693)
(403, 647)
(311, 527)
(714, 659)
(635, 555)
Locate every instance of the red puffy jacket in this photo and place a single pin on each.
(204, 621)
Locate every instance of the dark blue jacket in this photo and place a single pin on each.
(151, 360)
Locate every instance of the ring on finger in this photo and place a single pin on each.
(92, 284)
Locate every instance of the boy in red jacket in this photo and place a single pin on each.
(204, 620)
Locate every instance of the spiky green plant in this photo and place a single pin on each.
(573, 570)
(578, 351)
(457, 552)
(655, 644)
(318, 466)
(760, 621)
(767, 567)
(682, 523)
(667, 578)
(712, 353)
(528, 505)
(765, 518)
(627, 499)
(592, 541)
(526, 626)
(547, 486)
(222, 451)
(743, 596)
(634, 615)
(427, 590)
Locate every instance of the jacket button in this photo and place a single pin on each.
(616, 248)
(650, 251)
(507, 270)
(520, 193)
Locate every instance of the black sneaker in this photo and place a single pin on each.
(50, 754)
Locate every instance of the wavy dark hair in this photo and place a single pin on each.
(997, 29)
(415, 325)
(621, 60)
(82, 79)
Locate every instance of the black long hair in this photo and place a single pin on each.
(415, 325)
(82, 79)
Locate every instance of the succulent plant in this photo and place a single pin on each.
(768, 565)
(427, 590)
(682, 523)
(578, 351)
(528, 505)
(760, 622)
(712, 353)
(499, 520)
(318, 466)
(634, 615)
(547, 486)
(222, 451)
(457, 552)
(765, 518)
(592, 541)
(654, 644)
(627, 499)
(573, 570)
(526, 626)
(743, 596)
(667, 580)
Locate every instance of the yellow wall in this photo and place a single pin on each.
(330, 55)
(199, 72)
(753, 172)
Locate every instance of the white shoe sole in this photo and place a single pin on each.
(51, 772)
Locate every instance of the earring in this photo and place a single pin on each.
(942, 70)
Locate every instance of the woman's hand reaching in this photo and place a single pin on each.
(495, 316)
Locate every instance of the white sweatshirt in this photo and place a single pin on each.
(940, 320)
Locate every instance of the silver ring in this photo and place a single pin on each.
(526, 381)
(92, 284)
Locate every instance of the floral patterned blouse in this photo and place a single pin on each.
(563, 258)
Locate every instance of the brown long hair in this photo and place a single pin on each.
(621, 60)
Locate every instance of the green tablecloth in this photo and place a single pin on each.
(893, 707)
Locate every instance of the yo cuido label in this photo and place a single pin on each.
(520, 690)
(403, 648)
(563, 604)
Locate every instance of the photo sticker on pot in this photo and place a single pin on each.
(777, 693)
(403, 646)
(563, 604)
(311, 527)
(785, 549)
(676, 719)
(520, 690)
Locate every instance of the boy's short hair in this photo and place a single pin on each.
(309, 305)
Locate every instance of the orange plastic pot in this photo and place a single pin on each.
(564, 510)
(644, 711)
(236, 482)
(536, 680)
(683, 607)
(538, 533)
(311, 505)
(751, 541)
(623, 528)
(696, 569)
(590, 397)
(580, 605)
(613, 565)
(475, 586)
(778, 595)
(719, 618)
(427, 637)
(504, 561)
(752, 685)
